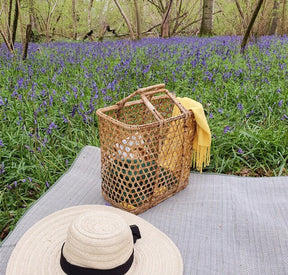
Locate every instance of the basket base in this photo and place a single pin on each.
(153, 201)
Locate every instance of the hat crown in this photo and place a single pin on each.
(99, 240)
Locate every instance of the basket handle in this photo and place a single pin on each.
(122, 102)
(146, 94)
(151, 108)
(171, 96)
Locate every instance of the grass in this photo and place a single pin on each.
(48, 104)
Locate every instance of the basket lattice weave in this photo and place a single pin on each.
(141, 164)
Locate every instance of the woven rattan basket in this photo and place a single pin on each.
(141, 164)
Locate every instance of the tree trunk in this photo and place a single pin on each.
(20, 21)
(6, 42)
(165, 21)
(9, 36)
(103, 31)
(275, 18)
(254, 16)
(27, 40)
(10, 12)
(89, 15)
(207, 18)
(32, 16)
(126, 20)
(138, 24)
(74, 16)
(283, 17)
(15, 24)
(48, 22)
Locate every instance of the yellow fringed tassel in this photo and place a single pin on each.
(201, 158)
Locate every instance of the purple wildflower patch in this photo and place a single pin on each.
(240, 106)
(227, 129)
(240, 151)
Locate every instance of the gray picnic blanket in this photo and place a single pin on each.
(221, 224)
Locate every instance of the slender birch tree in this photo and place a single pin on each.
(90, 6)
(207, 18)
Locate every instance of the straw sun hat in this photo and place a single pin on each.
(94, 239)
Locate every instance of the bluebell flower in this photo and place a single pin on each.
(240, 106)
(2, 168)
(227, 129)
(75, 108)
(240, 151)
(29, 149)
(52, 126)
(250, 114)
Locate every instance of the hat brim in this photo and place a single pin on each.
(38, 251)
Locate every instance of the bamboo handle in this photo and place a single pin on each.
(122, 102)
(172, 97)
(151, 108)
(146, 94)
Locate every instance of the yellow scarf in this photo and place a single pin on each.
(202, 138)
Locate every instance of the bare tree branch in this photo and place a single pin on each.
(241, 13)
(179, 22)
(126, 19)
(11, 50)
(156, 5)
(254, 16)
(49, 19)
(165, 21)
(193, 22)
